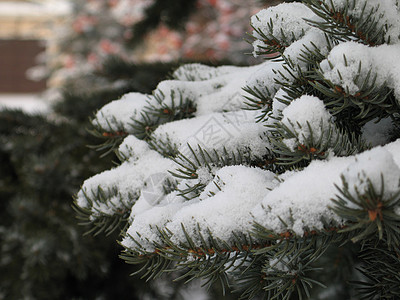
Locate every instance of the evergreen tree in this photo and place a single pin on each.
(279, 180)
(43, 254)
(43, 251)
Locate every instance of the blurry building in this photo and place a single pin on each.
(25, 26)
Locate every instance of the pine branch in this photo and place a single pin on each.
(180, 107)
(369, 211)
(247, 259)
(331, 140)
(209, 160)
(100, 221)
(271, 47)
(380, 268)
(370, 102)
(105, 224)
(153, 115)
(111, 140)
(314, 109)
(343, 26)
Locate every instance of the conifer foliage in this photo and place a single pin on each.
(279, 180)
(43, 252)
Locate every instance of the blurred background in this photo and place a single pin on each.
(44, 43)
(60, 61)
(26, 28)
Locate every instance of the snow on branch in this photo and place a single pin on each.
(297, 152)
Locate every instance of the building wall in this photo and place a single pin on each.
(16, 57)
(22, 38)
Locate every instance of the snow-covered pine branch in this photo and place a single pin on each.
(255, 172)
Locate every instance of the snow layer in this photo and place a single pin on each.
(28, 103)
(279, 104)
(313, 39)
(233, 131)
(307, 117)
(199, 72)
(265, 79)
(132, 148)
(227, 211)
(369, 167)
(112, 118)
(121, 186)
(286, 23)
(300, 202)
(387, 14)
(221, 92)
(287, 19)
(343, 64)
(235, 197)
(216, 90)
(303, 200)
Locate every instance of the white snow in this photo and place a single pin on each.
(236, 196)
(239, 195)
(221, 92)
(29, 103)
(278, 104)
(287, 18)
(306, 117)
(228, 210)
(132, 148)
(387, 13)
(371, 167)
(35, 8)
(265, 78)
(199, 72)
(223, 213)
(303, 200)
(216, 94)
(111, 118)
(121, 184)
(288, 24)
(233, 131)
(383, 61)
(311, 40)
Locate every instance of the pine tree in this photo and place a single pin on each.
(43, 251)
(280, 180)
(43, 254)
